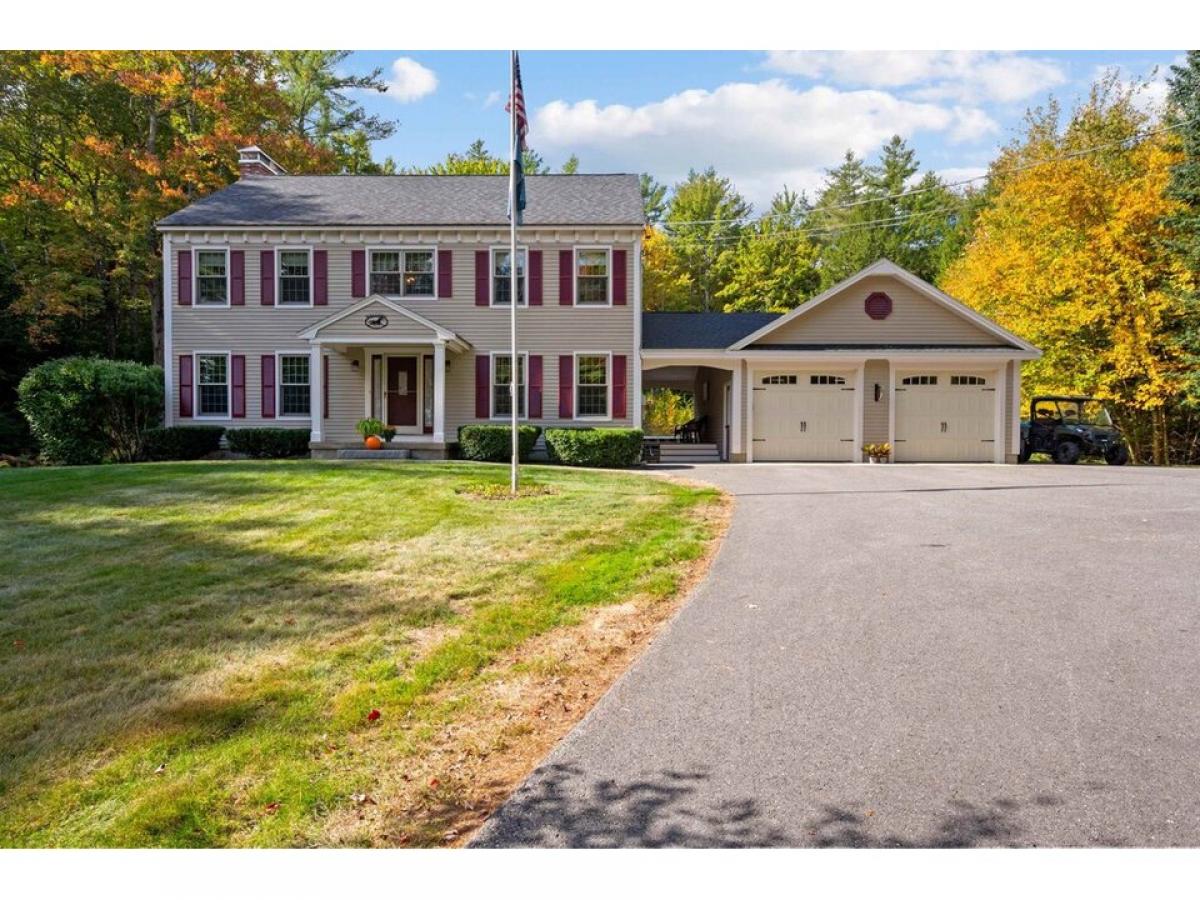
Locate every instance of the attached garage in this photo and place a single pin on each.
(945, 416)
(804, 415)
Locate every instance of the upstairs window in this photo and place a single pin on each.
(592, 282)
(386, 277)
(212, 277)
(502, 278)
(294, 394)
(402, 273)
(591, 386)
(920, 379)
(418, 273)
(502, 385)
(295, 278)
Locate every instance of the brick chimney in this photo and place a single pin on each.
(254, 161)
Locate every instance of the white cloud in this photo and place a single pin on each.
(964, 75)
(1149, 90)
(492, 99)
(410, 81)
(762, 135)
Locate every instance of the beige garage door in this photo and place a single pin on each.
(804, 416)
(945, 417)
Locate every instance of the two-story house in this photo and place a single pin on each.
(314, 301)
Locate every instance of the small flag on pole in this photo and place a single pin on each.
(516, 106)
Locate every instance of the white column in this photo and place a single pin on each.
(637, 334)
(172, 404)
(736, 415)
(316, 377)
(1015, 407)
(439, 391)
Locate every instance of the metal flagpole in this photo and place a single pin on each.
(512, 257)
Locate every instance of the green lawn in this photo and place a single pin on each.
(190, 652)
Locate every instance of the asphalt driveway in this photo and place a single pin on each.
(907, 656)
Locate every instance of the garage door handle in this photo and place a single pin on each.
(944, 427)
(803, 427)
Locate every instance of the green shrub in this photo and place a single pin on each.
(88, 410)
(493, 443)
(182, 442)
(607, 447)
(268, 443)
(369, 427)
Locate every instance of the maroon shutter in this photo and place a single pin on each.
(185, 387)
(268, 387)
(184, 273)
(566, 386)
(535, 386)
(358, 273)
(566, 277)
(481, 278)
(483, 374)
(618, 383)
(237, 366)
(237, 277)
(320, 277)
(266, 278)
(618, 277)
(535, 277)
(445, 266)
(324, 387)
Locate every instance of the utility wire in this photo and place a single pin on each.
(1074, 154)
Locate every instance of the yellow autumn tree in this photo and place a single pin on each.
(666, 287)
(1069, 253)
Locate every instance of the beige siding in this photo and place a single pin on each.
(915, 319)
(875, 413)
(549, 330)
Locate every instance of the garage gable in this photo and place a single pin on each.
(882, 306)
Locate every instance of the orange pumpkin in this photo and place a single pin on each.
(374, 443)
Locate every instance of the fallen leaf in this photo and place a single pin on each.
(870, 812)
(162, 768)
(272, 807)
(433, 782)
(450, 835)
(363, 799)
(373, 715)
(19, 644)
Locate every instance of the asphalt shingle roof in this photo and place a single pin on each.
(399, 200)
(696, 331)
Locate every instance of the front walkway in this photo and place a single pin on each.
(907, 655)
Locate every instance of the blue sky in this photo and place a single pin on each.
(764, 119)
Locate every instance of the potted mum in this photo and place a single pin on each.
(371, 431)
(877, 453)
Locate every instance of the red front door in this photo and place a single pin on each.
(401, 391)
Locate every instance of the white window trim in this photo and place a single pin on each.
(505, 417)
(312, 278)
(607, 248)
(521, 248)
(279, 355)
(196, 251)
(402, 249)
(608, 378)
(196, 414)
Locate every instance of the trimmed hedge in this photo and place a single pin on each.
(493, 443)
(268, 443)
(182, 442)
(85, 410)
(604, 447)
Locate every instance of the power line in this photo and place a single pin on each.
(1075, 154)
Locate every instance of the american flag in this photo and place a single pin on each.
(518, 98)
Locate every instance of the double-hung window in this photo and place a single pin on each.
(403, 273)
(592, 386)
(212, 385)
(502, 373)
(294, 394)
(502, 277)
(592, 282)
(295, 278)
(212, 277)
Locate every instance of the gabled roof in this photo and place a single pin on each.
(437, 331)
(405, 200)
(697, 330)
(887, 267)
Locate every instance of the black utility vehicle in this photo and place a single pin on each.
(1070, 428)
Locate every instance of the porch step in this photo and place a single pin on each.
(348, 453)
(688, 453)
